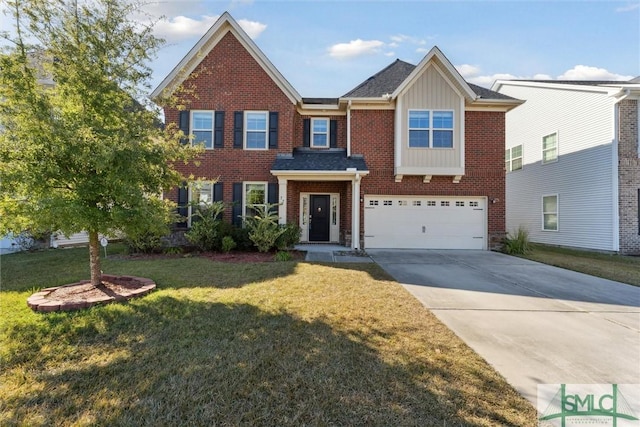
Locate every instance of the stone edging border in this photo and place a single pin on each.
(39, 301)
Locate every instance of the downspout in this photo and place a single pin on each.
(349, 129)
(615, 188)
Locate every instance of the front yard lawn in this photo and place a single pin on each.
(281, 343)
(625, 269)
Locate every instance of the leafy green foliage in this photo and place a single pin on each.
(282, 256)
(206, 227)
(264, 230)
(228, 244)
(290, 236)
(78, 150)
(518, 243)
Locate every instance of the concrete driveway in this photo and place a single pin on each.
(535, 324)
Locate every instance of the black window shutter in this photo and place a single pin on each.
(183, 125)
(272, 195)
(217, 192)
(236, 209)
(218, 133)
(306, 132)
(238, 125)
(183, 204)
(333, 133)
(273, 129)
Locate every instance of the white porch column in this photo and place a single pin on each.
(355, 212)
(282, 200)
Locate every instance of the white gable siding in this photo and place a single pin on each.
(583, 175)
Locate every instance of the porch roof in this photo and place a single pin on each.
(306, 159)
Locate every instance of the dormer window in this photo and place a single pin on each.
(320, 133)
(430, 129)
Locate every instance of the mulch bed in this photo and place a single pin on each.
(83, 294)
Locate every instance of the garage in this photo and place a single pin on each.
(424, 222)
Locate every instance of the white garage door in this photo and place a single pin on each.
(423, 222)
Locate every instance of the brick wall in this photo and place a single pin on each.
(229, 79)
(628, 177)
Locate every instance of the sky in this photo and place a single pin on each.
(326, 48)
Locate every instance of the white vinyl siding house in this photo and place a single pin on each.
(569, 142)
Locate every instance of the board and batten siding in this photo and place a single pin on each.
(582, 177)
(431, 91)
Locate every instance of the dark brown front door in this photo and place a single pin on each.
(319, 219)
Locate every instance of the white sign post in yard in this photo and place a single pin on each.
(104, 242)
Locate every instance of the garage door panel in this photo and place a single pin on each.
(423, 222)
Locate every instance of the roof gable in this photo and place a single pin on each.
(436, 56)
(194, 57)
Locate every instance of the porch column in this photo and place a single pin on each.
(282, 196)
(355, 212)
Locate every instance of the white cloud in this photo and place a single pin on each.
(181, 27)
(252, 28)
(628, 8)
(355, 48)
(585, 72)
(471, 74)
(467, 70)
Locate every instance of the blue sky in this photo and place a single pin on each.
(325, 48)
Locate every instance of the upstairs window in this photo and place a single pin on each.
(513, 158)
(430, 129)
(320, 133)
(256, 130)
(550, 148)
(202, 128)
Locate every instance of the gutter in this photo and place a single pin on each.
(349, 129)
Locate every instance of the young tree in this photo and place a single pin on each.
(78, 150)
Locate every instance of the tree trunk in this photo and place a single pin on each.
(94, 258)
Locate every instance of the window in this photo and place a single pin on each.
(320, 133)
(255, 198)
(202, 128)
(550, 212)
(444, 203)
(256, 130)
(513, 158)
(200, 195)
(387, 202)
(417, 203)
(550, 148)
(430, 129)
(460, 204)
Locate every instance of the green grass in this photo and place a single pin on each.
(282, 343)
(625, 269)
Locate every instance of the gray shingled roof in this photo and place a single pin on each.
(388, 80)
(306, 159)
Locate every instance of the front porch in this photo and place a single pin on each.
(321, 190)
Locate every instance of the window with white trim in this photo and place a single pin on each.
(513, 158)
(254, 198)
(320, 133)
(200, 195)
(202, 128)
(256, 135)
(550, 212)
(430, 129)
(550, 148)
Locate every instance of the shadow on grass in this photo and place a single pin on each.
(168, 361)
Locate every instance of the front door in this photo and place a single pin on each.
(319, 219)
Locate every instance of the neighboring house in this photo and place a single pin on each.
(411, 158)
(572, 160)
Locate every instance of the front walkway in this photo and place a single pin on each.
(320, 252)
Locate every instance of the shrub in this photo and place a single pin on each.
(263, 227)
(289, 237)
(228, 244)
(205, 232)
(241, 237)
(518, 243)
(283, 256)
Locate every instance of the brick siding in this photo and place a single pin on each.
(628, 177)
